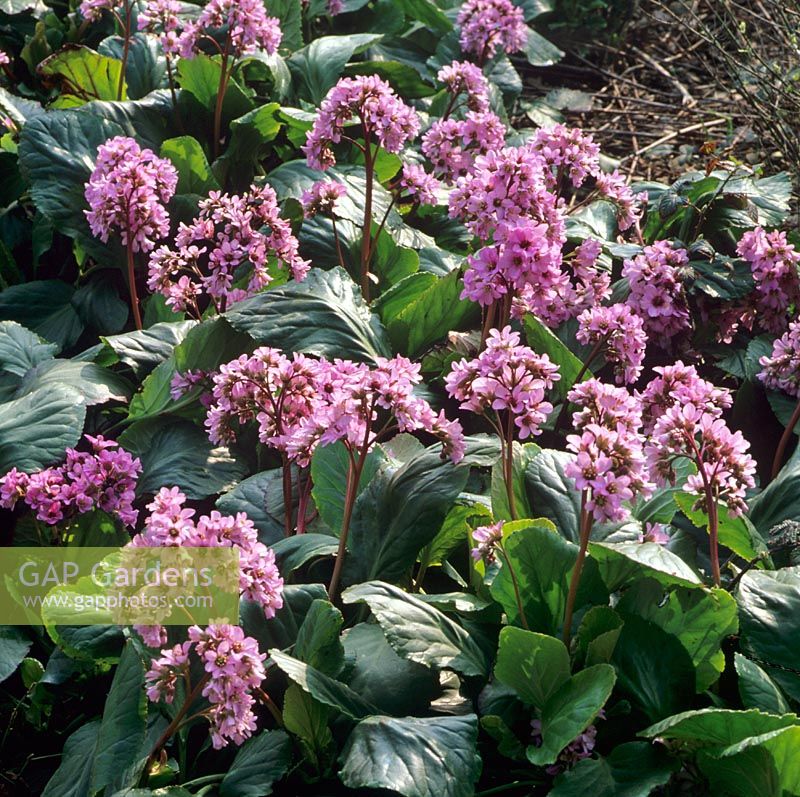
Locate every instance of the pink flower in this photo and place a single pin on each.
(655, 532)
(774, 263)
(657, 294)
(164, 672)
(127, 192)
(229, 233)
(420, 185)
(781, 370)
(452, 145)
(462, 77)
(246, 23)
(614, 187)
(620, 335)
(487, 539)
(322, 198)
(568, 153)
(104, 479)
(371, 102)
(506, 377)
(93, 9)
(161, 16)
(487, 25)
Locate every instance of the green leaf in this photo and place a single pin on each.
(194, 173)
(21, 349)
(534, 665)
(260, 762)
(35, 429)
(635, 769)
(780, 499)
(84, 74)
(96, 384)
(323, 315)
(571, 710)
(329, 466)
(56, 154)
(624, 562)
(290, 16)
(718, 728)
(46, 308)
(736, 533)
(419, 632)
(199, 75)
(144, 349)
(175, 452)
(420, 313)
(598, 634)
(293, 552)
(404, 79)
(414, 756)
(261, 497)
(122, 730)
(307, 720)
(399, 513)
(318, 66)
(318, 643)
(282, 629)
(540, 52)
(542, 561)
(14, 647)
(428, 13)
(654, 670)
(543, 341)
(249, 135)
(769, 619)
(327, 690)
(73, 778)
(392, 263)
(757, 689)
(700, 619)
(395, 685)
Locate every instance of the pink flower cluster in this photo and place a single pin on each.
(523, 255)
(182, 383)
(462, 77)
(370, 100)
(774, 263)
(171, 524)
(452, 145)
(92, 10)
(568, 152)
(619, 334)
(657, 294)
(507, 185)
(230, 232)
(614, 187)
(487, 539)
(781, 370)
(246, 25)
(103, 479)
(578, 284)
(487, 25)
(127, 191)
(680, 384)
(161, 16)
(276, 391)
(609, 462)
(234, 668)
(358, 404)
(322, 198)
(723, 464)
(419, 185)
(506, 377)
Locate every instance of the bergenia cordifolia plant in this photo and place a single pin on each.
(507, 383)
(781, 371)
(609, 467)
(103, 478)
(171, 524)
(686, 424)
(367, 107)
(277, 393)
(226, 253)
(127, 195)
(232, 29)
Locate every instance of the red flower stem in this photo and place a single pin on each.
(562, 416)
(366, 234)
(777, 462)
(509, 466)
(585, 525)
(222, 88)
(287, 496)
(126, 46)
(137, 317)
